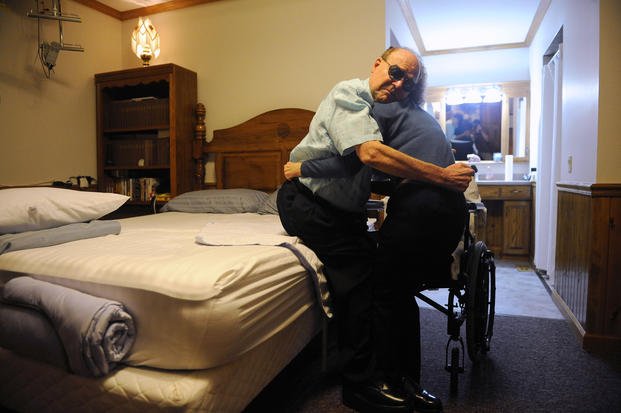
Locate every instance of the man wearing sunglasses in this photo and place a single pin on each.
(329, 215)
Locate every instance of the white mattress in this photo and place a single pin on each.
(195, 306)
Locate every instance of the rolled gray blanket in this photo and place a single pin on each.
(96, 333)
(29, 333)
(58, 235)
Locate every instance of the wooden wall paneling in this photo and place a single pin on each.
(588, 262)
(572, 251)
(612, 319)
(598, 266)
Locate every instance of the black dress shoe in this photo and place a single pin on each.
(422, 400)
(376, 397)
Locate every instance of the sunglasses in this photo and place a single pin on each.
(396, 73)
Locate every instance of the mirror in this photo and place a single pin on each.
(474, 123)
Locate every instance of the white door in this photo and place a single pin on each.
(548, 166)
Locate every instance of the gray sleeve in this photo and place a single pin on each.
(333, 167)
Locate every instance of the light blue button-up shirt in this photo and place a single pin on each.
(342, 121)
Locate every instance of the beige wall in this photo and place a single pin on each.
(609, 140)
(47, 126)
(256, 55)
(250, 55)
(579, 83)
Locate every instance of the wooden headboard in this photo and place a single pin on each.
(252, 154)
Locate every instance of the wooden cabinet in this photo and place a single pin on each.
(508, 226)
(145, 128)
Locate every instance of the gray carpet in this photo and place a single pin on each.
(535, 365)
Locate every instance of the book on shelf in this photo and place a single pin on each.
(162, 197)
(137, 189)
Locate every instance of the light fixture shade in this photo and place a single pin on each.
(145, 41)
(492, 94)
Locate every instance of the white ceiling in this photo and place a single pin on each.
(124, 5)
(445, 26)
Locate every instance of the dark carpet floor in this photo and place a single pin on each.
(534, 365)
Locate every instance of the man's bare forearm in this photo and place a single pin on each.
(396, 163)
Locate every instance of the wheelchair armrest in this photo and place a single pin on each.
(383, 187)
(475, 206)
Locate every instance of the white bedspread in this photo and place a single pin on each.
(230, 298)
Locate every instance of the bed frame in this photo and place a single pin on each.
(251, 154)
(248, 155)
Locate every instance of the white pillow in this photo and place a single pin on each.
(30, 209)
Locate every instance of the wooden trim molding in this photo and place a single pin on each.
(142, 11)
(595, 190)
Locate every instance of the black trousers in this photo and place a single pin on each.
(423, 227)
(340, 239)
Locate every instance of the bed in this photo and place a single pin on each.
(221, 298)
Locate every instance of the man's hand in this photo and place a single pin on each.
(458, 176)
(292, 170)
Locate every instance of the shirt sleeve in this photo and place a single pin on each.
(351, 123)
(332, 167)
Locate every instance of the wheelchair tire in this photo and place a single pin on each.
(481, 299)
(454, 370)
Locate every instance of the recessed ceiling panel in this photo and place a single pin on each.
(124, 5)
(456, 24)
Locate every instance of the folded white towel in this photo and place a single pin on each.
(262, 233)
(225, 233)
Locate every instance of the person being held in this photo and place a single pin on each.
(423, 227)
(329, 216)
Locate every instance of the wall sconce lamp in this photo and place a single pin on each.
(145, 41)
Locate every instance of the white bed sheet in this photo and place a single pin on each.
(195, 306)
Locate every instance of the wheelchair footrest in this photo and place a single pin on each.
(449, 359)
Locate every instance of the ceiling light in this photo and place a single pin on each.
(492, 94)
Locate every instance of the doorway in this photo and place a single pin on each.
(548, 163)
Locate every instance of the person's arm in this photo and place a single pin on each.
(391, 161)
(332, 167)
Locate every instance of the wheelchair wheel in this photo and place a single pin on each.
(454, 370)
(481, 298)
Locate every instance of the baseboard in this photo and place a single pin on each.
(565, 310)
(598, 344)
(593, 343)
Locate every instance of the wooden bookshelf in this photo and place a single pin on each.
(145, 127)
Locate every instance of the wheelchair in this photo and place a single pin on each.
(471, 294)
(471, 299)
